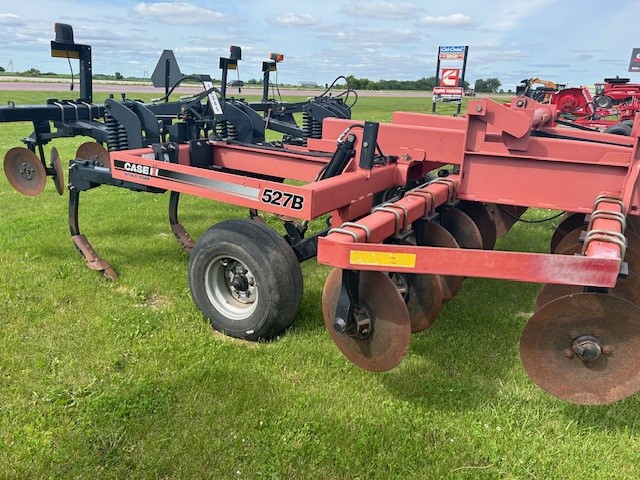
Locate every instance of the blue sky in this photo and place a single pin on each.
(577, 43)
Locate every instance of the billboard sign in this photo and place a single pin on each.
(634, 64)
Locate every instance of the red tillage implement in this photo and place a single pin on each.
(396, 262)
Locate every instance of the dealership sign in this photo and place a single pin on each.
(447, 94)
(451, 52)
(634, 65)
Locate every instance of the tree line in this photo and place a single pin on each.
(490, 85)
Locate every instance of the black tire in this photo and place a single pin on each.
(619, 129)
(629, 123)
(245, 278)
(603, 101)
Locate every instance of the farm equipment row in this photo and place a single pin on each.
(451, 186)
(612, 109)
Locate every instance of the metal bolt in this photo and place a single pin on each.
(568, 352)
(340, 326)
(365, 144)
(520, 103)
(479, 108)
(607, 349)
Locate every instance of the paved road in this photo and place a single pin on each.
(11, 84)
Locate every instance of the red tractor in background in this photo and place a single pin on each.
(615, 91)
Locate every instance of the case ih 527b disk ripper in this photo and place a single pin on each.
(401, 246)
(398, 261)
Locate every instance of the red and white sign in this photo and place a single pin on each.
(447, 94)
(449, 77)
(447, 91)
(451, 56)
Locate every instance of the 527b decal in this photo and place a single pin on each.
(282, 199)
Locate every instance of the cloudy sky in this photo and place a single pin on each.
(565, 41)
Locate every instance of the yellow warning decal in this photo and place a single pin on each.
(382, 259)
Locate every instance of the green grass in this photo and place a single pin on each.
(125, 379)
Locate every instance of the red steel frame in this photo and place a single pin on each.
(496, 158)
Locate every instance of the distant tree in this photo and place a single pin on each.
(2, 69)
(490, 85)
(493, 84)
(253, 81)
(118, 76)
(426, 83)
(32, 72)
(481, 85)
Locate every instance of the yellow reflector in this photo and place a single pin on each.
(382, 259)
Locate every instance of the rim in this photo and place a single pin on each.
(231, 287)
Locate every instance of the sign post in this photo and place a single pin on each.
(450, 79)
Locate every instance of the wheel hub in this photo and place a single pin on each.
(361, 327)
(587, 348)
(240, 281)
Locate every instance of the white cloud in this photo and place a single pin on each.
(294, 20)
(179, 13)
(453, 20)
(356, 39)
(386, 10)
(10, 19)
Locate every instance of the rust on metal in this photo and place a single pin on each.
(588, 325)
(569, 223)
(435, 235)
(58, 172)
(93, 260)
(461, 226)
(570, 240)
(183, 237)
(387, 343)
(25, 171)
(94, 152)
(627, 288)
(422, 295)
(479, 213)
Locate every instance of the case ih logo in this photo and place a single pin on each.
(450, 77)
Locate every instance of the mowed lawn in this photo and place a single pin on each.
(125, 379)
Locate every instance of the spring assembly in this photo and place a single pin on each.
(123, 139)
(113, 143)
(226, 130)
(312, 128)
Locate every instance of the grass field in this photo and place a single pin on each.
(125, 379)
